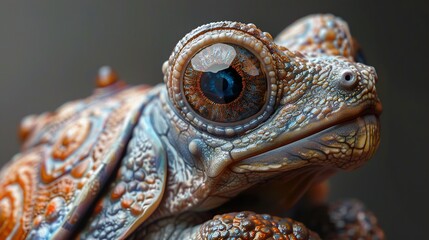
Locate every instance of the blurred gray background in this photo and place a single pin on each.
(50, 53)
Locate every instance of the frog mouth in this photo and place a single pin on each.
(343, 141)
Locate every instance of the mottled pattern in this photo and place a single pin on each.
(64, 163)
(324, 34)
(18, 187)
(181, 226)
(353, 221)
(136, 191)
(346, 219)
(249, 225)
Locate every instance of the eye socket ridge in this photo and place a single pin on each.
(230, 37)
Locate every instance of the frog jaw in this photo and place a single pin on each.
(316, 157)
(345, 145)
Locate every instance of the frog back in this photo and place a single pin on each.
(67, 159)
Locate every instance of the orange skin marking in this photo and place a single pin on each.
(118, 191)
(79, 170)
(136, 209)
(98, 207)
(37, 220)
(330, 35)
(51, 209)
(126, 202)
(27, 127)
(106, 77)
(81, 183)
(71, 139)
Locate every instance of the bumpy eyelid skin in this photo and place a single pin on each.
(260, 44)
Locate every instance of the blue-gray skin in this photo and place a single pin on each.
(182, 162)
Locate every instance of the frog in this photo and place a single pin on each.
(241, 120)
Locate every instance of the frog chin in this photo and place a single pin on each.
(345, 146)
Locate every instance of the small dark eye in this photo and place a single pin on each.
(348, 80)
(225, 83)
(347, 77)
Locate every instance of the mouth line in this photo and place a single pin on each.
(342, 116)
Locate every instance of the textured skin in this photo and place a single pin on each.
(138, 162)
(352, 220)
(137, 189)
(50, 185)
(322, 34)
(248, 225)
(347, 219)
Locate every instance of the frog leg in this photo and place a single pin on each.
(238, 225)
(249, 225)
(346, 219)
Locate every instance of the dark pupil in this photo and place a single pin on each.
(223, 86)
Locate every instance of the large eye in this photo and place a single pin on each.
(225, 83)
(222, 77)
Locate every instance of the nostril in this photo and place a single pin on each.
(348, 80)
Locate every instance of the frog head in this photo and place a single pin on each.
(244, 110)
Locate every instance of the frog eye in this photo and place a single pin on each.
(224, 83)
(222, 77)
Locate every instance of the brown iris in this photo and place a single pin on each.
(225, 83)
